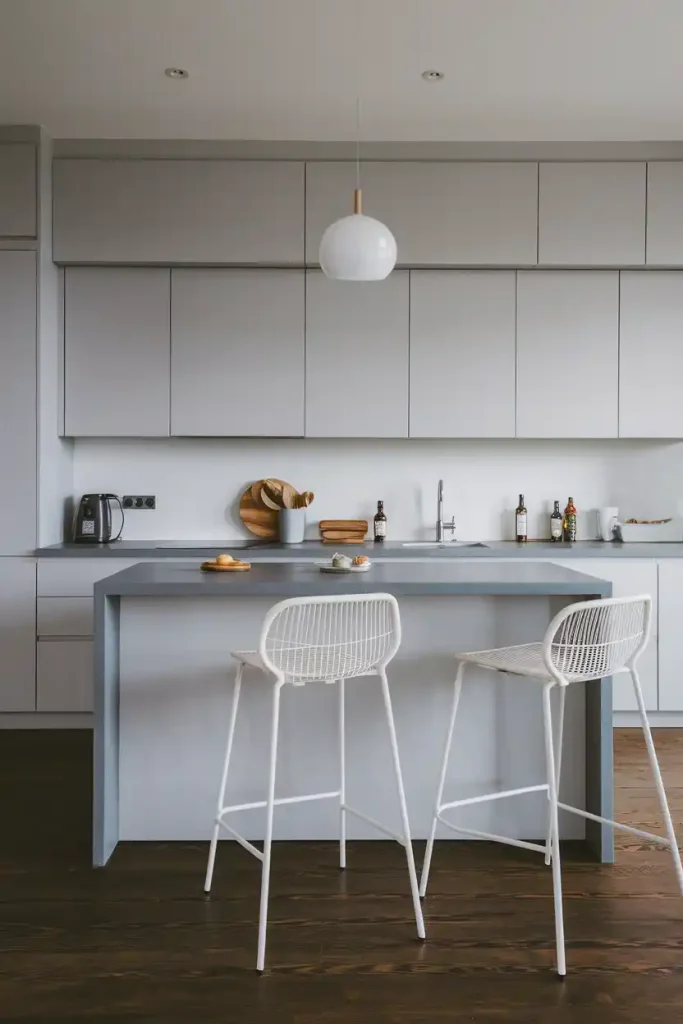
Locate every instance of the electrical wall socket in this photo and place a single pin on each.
(139, 501)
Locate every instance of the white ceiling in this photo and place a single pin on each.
(291, 69)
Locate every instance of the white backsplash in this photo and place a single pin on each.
(198, 482)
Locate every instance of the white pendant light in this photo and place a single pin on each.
(357, 248)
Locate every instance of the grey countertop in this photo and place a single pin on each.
(176, 579)
(265, 550)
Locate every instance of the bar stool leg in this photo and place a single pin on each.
(224, 778)
(267, 842)
(654, 764)
(410, 857)
(442, 779)
(554, 831)
(558, 764)
(342, 773)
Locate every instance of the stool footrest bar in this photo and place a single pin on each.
(249, 847)
(494, 796)
(279, 802)
(662, 840)
(375, 824)
(536, 847)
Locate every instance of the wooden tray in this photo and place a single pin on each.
(259, 520)
(212, 567)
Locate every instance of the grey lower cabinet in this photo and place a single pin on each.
(117, 348)
(17, 634)
(18, 523)
(462, 353)
(651, 354)
(442, 214)
(357, 357)
(665, 213)
(64, 675)
(18, 190)
(568, 353)
(591, 214)
(237, 361)
(178, 211)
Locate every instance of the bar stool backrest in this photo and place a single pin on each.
(307, 638)
(591, 639)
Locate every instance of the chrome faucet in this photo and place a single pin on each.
(441, 527)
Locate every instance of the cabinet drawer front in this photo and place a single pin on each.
(591, 214)
(75, 577)
(65, 616)
(65, 675)
(18, 189)
(178, 211)
(442, 214)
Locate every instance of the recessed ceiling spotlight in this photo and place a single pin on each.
(176, 73)
(433, 76)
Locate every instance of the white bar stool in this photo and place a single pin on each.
(308, 639)
(585, 641)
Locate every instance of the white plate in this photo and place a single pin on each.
(328, 567)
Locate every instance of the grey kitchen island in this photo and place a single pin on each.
(163, 632)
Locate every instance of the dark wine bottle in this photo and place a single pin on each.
(521, 521)
(556, 523)
(380, 523)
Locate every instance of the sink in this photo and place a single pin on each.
(444, 544)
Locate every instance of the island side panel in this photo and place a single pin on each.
(600, 767)
(106, 734)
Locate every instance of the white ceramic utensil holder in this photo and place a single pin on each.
(292, 525)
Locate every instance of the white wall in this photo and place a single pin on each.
(198, 482)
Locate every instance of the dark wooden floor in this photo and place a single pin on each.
(139, 942)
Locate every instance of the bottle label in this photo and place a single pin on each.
(521, 524)
(380, 528)
(555, 527)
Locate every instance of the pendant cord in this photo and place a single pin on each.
(358, 142)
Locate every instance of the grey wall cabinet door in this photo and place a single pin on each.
(567, 353)
(237, 365)
(17, 190)
(18, 402)
(462, 353)
(442, 214)
(591, 214)
(651, 354)
(17, 634)
(665, 213)
(357, 357)
(117, 351)
(178, 211)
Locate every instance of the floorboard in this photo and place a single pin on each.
(138, 941)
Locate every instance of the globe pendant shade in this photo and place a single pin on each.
(357, 248)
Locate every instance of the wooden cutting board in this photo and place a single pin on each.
(259, 520)
(213, 567)
(343, 535)
(355, 525)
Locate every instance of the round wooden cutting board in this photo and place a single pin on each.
(259, 520)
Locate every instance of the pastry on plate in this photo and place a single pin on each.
(224, 559)
(361, 560)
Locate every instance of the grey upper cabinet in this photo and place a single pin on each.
(591, 214)
(18, 218)
(17, 632)
(178, 211)
(665, 213)
(18, 525)
(117, 351)
(567, 353)
(462, 353)
(651, 354)
(442, 214)
(237, 365)
(357, 357)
